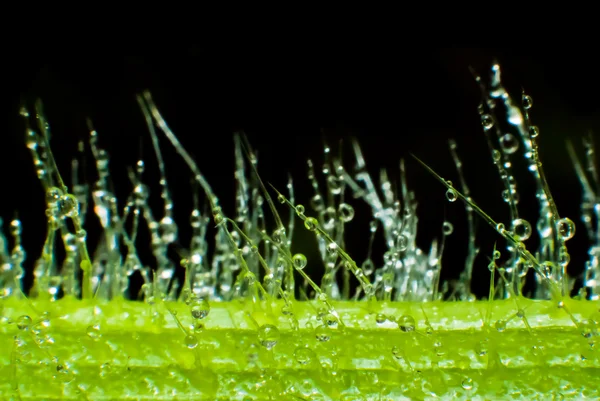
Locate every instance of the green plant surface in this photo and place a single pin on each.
(122, 350)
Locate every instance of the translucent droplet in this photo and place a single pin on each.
(332, 248)
(303, 355)
(322, 333)
(565, 228)
(481, 348)
(500, 227)
(396, 352)
(335, 184)
(522, 229)
(200, 308)
(93, 332)
(311, 223)
(300, 209)
(509, 143)
(534, 131)
(268, 335)
(467, 383)
(496, 156)
(191, 341)
(380, 318)
(447, 228)
(527, 101)
(23, 322)
(406, 323)
(278, 235)
(401, 243)
(281, 198)
(500, 325)
(451, 195)
(346, 212)
(299, 261)
(520, 313)
(487, 122)
(497, 254)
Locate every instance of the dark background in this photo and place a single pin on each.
(392, 102)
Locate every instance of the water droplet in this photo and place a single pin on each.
(467, 383)
(281, 198)
(522, 229)
(300, 210)
(268, 335)
(299, 261)
(500, 325)
(565, 228)
(534, 131)
(487, 121)
(191, 341)
(500, 227)
(311, 223)
(401, 243)
(200, 308)
(335, 185)
(330, 320)
(93, 332)
(396, 352)
(322, 333)
(218, 218)
(520, 313)
(278, 235)
(496, 156)
(303, 355)
(380, 318)
(332, 248)
(346, 212)
(527, 101)
(23, 322)
(447, 228)
(451, 195)
(497, 254)
(481, 348)
(406, 323)
(509, 143)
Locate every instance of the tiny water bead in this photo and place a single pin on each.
(451, 195)
(322, 333)
(467, 383)
(447, 228)
(522, 229)
(500, 325)
(268, 336)
(311, 223)
(527, 101)
(406, 323)
(299, 261)
(565, 228)
(509, 143)
(93, 332)
(23, 322)
(300, 210)
(303, 355)
(346, 212)
(281, 198)
(380, 318)
(191, 341)
(200, 308)
(487, 121)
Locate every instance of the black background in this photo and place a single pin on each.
(392, 102)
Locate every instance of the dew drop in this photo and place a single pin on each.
(509, 144)
(500, 325)
(281, 198)
(565, 228)
(335, 184)
(268, 335)
(300, 210)
(332, 248)
(496, 156)
(200, 308)
(534, 131)
(447, 228)
(527, 101)
(497, 254)
(396, 352)
(522, 229)
(311, 223)
(451, 195)
(346, 212)
(322, 333)
(500, 227)
(191, 341)
(299, 261)
(303, 355)
(380, 318)
(23, 322)
(402, 243)
(93, 332)
(406, 323)
(487, 121)
(467, 383)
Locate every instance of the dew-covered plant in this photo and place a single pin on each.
(246, 321)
